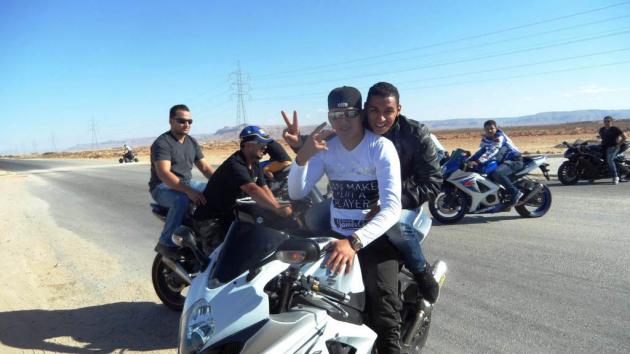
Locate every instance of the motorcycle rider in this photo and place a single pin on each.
(171, 185)
(612, 139)
(363, 169)
(420, 172)
(240, 174)
(279, 159)
(497, 146)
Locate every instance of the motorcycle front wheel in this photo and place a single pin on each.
(167, 285)
(537, 206)
(567, 173)
(448, 207)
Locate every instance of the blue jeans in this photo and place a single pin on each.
(503, 172)
(177, 204)
(402, 235)
(611, 153)
(407, 241)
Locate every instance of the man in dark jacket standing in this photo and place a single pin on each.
(612, 139)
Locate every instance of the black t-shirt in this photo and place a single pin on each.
(277, 152)
(609, 135)
(181, 155)
(224, 187)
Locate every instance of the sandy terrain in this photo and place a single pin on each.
(530, 139)
(55, 296)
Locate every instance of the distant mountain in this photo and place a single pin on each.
(546, 118)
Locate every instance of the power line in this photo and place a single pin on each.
(448, 51)
(460, 61)
(461, 39)
(520, 76)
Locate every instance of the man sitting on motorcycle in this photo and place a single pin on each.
(279, 159)
(363, 169)
(240, 175)
(171, 185)
(612, 140)
(497, 146)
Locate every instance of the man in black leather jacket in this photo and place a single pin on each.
(421, 180)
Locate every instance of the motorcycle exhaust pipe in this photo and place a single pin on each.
(530, 195)
(178, 269)
(439, 274)
(424, 308)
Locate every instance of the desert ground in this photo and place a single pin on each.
(530, 139)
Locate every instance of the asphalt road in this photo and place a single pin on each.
(560, 283)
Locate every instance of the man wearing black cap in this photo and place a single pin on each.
(237, 176)
(363, 170)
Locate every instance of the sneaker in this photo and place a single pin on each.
(428, 288)
(516, 197)
(616, 180)
(167, 250)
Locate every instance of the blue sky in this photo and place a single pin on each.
(122, 64)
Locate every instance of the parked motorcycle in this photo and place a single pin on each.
(129, 156)
(587, 161)
(467, 191)
(268, 291)
(172, 275)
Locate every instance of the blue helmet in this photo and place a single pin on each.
(252, 132)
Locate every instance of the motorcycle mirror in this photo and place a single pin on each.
(183, 236)
(298, 251)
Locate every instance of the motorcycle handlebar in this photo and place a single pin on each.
(316, 286)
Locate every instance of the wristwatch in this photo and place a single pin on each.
(355, 243)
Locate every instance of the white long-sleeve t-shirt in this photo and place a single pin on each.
(359, 178)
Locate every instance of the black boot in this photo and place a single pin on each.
(428, 288)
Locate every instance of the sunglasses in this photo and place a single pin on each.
(338, 115)
(257, 143)
(183, 121)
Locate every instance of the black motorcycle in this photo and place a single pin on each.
(587, 161)
(129, 156)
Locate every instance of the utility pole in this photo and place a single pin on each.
(52, 142)
(240, 88)
(94, 137)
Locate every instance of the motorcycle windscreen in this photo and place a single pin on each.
(246, 245)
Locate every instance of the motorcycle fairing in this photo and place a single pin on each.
(460, 178)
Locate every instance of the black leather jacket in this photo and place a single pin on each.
(419, 164)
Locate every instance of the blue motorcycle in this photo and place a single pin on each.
(470, 191)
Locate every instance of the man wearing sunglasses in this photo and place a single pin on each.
(363, 170)
(171, 185)
(238, 176)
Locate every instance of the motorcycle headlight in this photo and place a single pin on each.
(197, 327)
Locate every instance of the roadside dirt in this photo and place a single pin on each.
(61, 293)
(544, 139)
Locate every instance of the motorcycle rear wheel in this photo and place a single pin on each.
(448, 207)
(567, 173)
(539, 204)
(166, 285)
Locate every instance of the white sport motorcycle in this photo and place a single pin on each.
(472, 192)
(265, 291)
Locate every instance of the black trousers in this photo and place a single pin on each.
(379, 266)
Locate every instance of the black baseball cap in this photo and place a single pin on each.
(344, 97)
